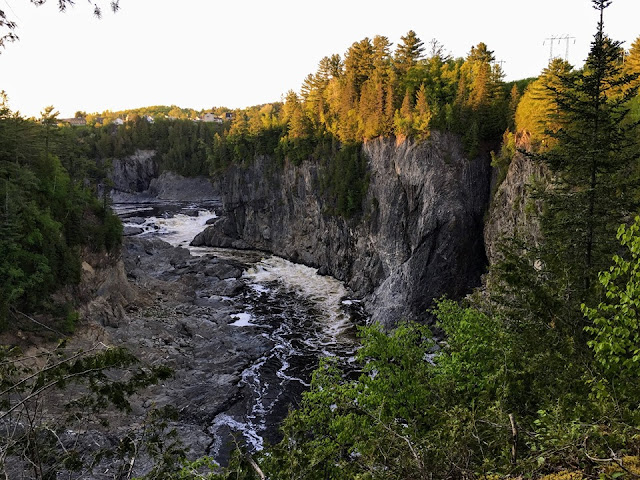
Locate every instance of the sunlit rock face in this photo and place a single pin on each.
(419, 235)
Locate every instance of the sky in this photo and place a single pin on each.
(236, 53)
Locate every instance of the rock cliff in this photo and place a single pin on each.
(419, 235)
(137, 177)
(514, 211)
(173, 187)
(133, 174)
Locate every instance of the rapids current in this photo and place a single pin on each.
(305, 315)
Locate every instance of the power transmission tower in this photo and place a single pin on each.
(566, 38)
(559, 38)
(551, 40)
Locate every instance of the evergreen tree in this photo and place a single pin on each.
(537, 113)
(422, 117)
(358, 64)
(632, 61)
(514, 100)
(381, 55)
(403, 119)
(408, 52)
(594, 189)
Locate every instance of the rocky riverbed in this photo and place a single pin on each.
(242, 331)
(187, 323)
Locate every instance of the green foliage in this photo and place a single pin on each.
(346, 181)
(365, 428)
(615, 328)
(632, 61)
(502, 161)
(537, 112)
(420, 412)
(47, 215)
(376, 92)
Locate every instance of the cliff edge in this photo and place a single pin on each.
(419, 236)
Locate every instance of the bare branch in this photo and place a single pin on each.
(613, 459)
(62, 362)
(47, 387)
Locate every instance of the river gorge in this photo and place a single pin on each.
(241, 283)
(242, 329)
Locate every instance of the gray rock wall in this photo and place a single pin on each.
(419, 236)
(174, 187)
(133, 174)
(514, 211)
(137, 177)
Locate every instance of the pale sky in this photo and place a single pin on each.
(205, 53)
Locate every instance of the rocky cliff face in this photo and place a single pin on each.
(137, 177)
(174, 187)
(419, 236)
(133, 174)
(513, 211)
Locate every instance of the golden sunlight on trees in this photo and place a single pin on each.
(538, 105)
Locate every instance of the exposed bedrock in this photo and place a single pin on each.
(420, 234)
(515, 211)
(138, 178)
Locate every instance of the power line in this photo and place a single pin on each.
(559, 38)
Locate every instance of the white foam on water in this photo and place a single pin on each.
(260, 288)
(247, 431)
(180, 229)
(325, 292)
(243, 320)
(271, 276)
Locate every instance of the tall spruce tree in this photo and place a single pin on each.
(408, 52)
(593, 189)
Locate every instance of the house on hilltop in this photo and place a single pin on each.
(209, 117)
(74, 122)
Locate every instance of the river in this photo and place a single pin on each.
(305, 315)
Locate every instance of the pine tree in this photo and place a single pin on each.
(358, 64)
(632, 61)
(422, 117)
(381, 55)
(537, 112)
(514, 100)
(593, 188)
(408, 52)
(403, 119)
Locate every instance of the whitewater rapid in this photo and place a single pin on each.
(305, 315)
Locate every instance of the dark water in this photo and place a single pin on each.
(306, 315)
